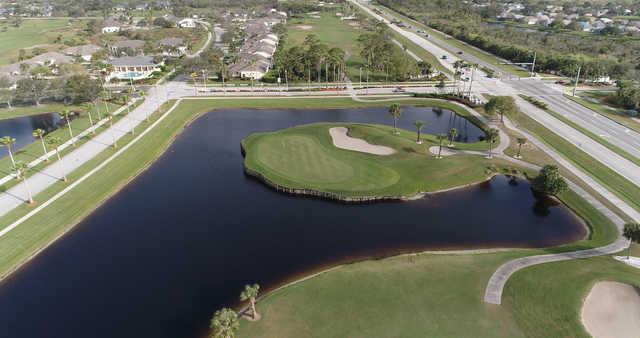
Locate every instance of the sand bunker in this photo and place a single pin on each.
(344, 141)
(445, 151)
(612, 310)
(304, 27)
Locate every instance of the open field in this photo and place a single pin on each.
(32, 33)
(435, 296)
(335, 33)
(304, 157)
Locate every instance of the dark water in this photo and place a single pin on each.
(21, 128)
(183, 239)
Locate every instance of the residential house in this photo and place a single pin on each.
(173, 47)
(50, 59)
(187, 23)
(110, 26)
(85, 52)
(127, 47)
(132, 68)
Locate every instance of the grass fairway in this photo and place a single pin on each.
(304, 157)
(435, 296)
(33, 33)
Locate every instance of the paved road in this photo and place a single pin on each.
(617, 134)
(51, 174)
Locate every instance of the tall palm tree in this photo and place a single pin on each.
(453, 133)
(67, 116)
(631, 232)
(39, 133)
(419, 124)
(9, 141)
(492, 137)
(224, 323)
(441, 137)
(395, 112)
(521, 142)
(21, 169)
(87, 108)
(55, 142)
(250, 293)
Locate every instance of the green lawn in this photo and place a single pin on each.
(435, 296)
(304, 157)
(33, 33)
(19, 111)
(335, 33)
(617, 184)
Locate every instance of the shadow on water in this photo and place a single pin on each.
(182, 239)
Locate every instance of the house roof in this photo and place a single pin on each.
(133, 61)
(129, 44)
(172, 42)
(82, 50)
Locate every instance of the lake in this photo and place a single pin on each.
(183, 238)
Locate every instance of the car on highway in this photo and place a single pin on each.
(399, 90)
(460, 53)
(444, 57)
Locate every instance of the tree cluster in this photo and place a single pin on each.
(549, 181)
(72, 89)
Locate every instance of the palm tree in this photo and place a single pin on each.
(67, 116)
(492, 137)
(419, 124)
(521, 142)
(39, 133)
(250, 293)
(87, 108)
(8, 141)
(453, 133)
(441, 137)
(55, 142)
(631, 232)
(224, 323)
(21, 170)
(395, 112)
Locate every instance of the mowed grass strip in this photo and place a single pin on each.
(305, 157)
(617, 184)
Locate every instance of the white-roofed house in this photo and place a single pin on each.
(133, 68)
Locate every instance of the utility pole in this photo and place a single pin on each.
(533, 65)
(575, 86)
(360, 77)
(286, 79)
(471, 81)
(204, 79)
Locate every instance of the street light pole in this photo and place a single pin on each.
(533, 65)
(575, 86)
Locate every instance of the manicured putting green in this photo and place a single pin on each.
(304, 157)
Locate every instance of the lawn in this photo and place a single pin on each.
(335, 33)
(304, 157)
(36, 33)
(613, 181)
(19, 111)
(428, 295)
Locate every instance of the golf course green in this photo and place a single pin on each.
(305, 160)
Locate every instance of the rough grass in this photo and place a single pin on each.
(34, 32)
(304, 157)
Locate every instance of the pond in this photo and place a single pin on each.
(21, 128)
(184, 237)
